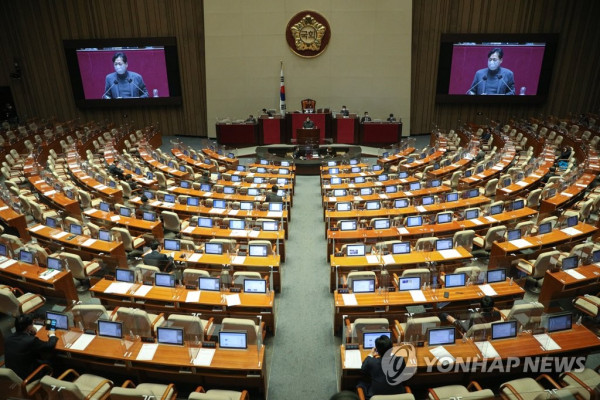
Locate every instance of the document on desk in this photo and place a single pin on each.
(49, 274)
(417, 296)
(195, 257)
(571, 231)
(193, 296)
(408, 193)
(88, 242)
(115, 218)
(372, 259)
(487, 290)
(389, 259)
(189, 229)
(147, 351)
(239, 233)
(442, 354)
(487, 349)
(37, 228)
(143, 290)
(274, 214)
(238, 260)
(476, 221)
(522, 183)
(451, 253)
(349, 299)
(7, 264)
(581, 185)
(352, 359)
(204, 357)
(82, 342)
(253, 234)
(547, 342)
(233, 212)
(575, 274)
(60, 235)
(383, 196)
(332, 198)
(118, 287)
(491, 219)
(49, 192)
(402, 230)
(233, 300)
(566, 194)
(520, 243)
(421, 209)
(216, 210)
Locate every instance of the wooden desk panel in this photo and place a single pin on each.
(496, 170)
(550, 205)
(199, 165)
(391, 159)
(12, 218)
(135, 225)
(146, 155)
(231, 163)
(422, 163)
(449, 169)
(92, 185)
(57, 200)
(216, 195)
(560, 284)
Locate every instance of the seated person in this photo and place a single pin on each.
(144, 207)
(486, 136)
(484, 314)
(391, 118)
(551, 172)
(272, 196)
(344, 111)
(372, 368)
(480, 156)
(131, 182)
(366, 117)
(251, 119)
(565, 153)
(158, 259)
(308, 124)
(114, 169)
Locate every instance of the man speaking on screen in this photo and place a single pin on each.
(122, 83)
(494, 79)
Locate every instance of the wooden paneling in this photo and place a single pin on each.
(33, 31)
(574, 88)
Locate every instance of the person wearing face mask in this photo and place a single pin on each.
(122, 83)
(494, 79)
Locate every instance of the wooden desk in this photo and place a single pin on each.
(146, 155)
(308, 136)
(225, 182)
(485, 175)
(175, 301)
(181, 155)
(216, 263)
(391, 159)
(326, 175)
(578, 341)
(526, 184)
(422, 163)
(502, 254)
(550, 205)
(56, 200)
(389, 182)
(392, 305)
(219, 195)
(241, 369)
(199, 234)
(112, 253)
(136, 226)
(241, 134)
(27, 277)
(380, 134)
(12, 218)
(229, 163)
(560, 284)
(392, 262)
(449, 169)
(107, 193)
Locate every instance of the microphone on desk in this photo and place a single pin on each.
(107, 90)
(510, 91)
(483, 79)
(134, 84)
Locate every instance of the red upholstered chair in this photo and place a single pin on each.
(308, 105)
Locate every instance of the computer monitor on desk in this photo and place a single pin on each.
(495, 275)
(112, 329)
(170, 336)
(26, 256)
(339, 192)
(443, 244)
(559, 322)
(363, 285)
(255, 286)
(414, 221)
(504, 330)
(359, 179)
(172, 244)
(258, 250)
(347, 225)
(382, 224)
(544, 228)
(401, 203)
(570, 263)
(104, 235)
(125, 275)
(409, 283)
(454, 280)
(193, 201)
(401, 248)
(62, 321)
(164, 280)
(213, 248)
(76, 229)
(344, 206)
(233, 340)
(391, 189)
(441, 336)
(452, 197)
(270, 226)
(444, 218)
(54, 263)
(369, 338)
(472, 214)
(355, 250)
(237, 224)
(514, 234)
(210, 284)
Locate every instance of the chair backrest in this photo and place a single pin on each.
(479, 332)
(87, 315)
(75, 265)
(190, 276)
(240, 276)
(193, 326)
(525, 227)
(360, 275)
(544, 262)
(171, 221)
(495, 233)
(134, 320)
(490, 187)
(217, 395)
(228, 244)
(426, 244)
(9, 304)
(423, 273)
(125, 237)
(472, 272)
(146, 272)
(464, 239)
(308, 104)
(361, 325)
(417, 327)
(68, 390)
(241, 324)
(533, 200)
(10, 384)
(263, 242)
(527, 314)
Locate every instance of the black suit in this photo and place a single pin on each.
(372, 367)
(157, 259)
(23, 352)
(366, 118)
(345, 112)
(273, 198)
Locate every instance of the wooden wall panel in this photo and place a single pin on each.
(575, 86)
(33, 31)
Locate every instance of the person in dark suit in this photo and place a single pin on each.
(344, 111)
(565, 153)
(391, 118)
(24, 350)
(371, 367)
(494, 79)
(114, 170)
(308, 124)
(123, 83)
(486, 136)
(272, 196)
(366, 117)
(251, 119)
(158, 259)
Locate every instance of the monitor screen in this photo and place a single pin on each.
(409, 283)
(258, 180)
(359, 179)
(440, 336)
(402, 175)
(444, 218)
(257, 250)
(3, 250)
(415, 186)
(169, 336)
(104, 206)
(473, 193)
(233, 340)
(172, 244)
(125, 212)
(205, 222)
(506, 182)
(235, 178)
(339, 192)
(385, 154)
(544, 228)
(355, 250)
(333, 171)
(472, 214)
(285, 163)
(377, 167)
(400, 203)
(253, 192)
(514, 234)
(443, 244)
(570, 262)
(270, 226)
(219, 204)
(497, 209)
(284, 181)
(504, 330)
(382, 178)
(342, 206)
(561, 322)
(401, 248)
(169, 198)
(275, 206)
(149, 195)
(366, 191)
(149, 216)
(104, 235)
(355, 170)
(213, 248)
(595, 256)
(113, 329)
(335, 180)
(427, 200)
(283, 171)
(353, 161)
(518, 204)
(62, 320)
(164, 280)
(193, 201)
(414, 221)
(369, 338)
(50, 222)
(363, 285)
(54, 263)
(246, 205)
(75, 229)
(26, 256)
(205, 187)
(452, 196)
(572, 221)
(255, 286)
(149, 176)
(347, 225)
(455, 280)
(186, 184)
(496, 275)
(435, 183)
(212, 284)
(391, 189)
(237, 224)
(264, 162)
(372, 205)
(125, 275)
(382, 224)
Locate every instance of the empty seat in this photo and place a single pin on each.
(143, 391)
(218, 394)
(253, 330)
(15, 306)
(85, 386)
(415, 328)
(86, 316)
(194, 328)
(13, 387)
(459, 391)
(355, 330)
(138, 321)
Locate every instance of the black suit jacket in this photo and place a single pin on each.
(273, 198)
(157, 259)
(23, 352)
(372, 367)
(345, 112)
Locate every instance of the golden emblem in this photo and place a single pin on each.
(308, 34)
